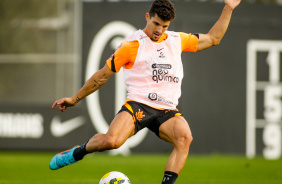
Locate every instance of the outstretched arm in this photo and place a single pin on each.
(214, 36)
(97, 80)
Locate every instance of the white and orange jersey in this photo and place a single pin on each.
(153, 70)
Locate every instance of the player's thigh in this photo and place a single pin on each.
(122, 127)
(174, 129)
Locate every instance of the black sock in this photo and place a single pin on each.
(80, 152)
(169, 177)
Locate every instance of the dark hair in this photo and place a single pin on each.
(164, 9)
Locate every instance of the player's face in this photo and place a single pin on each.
(155, 27)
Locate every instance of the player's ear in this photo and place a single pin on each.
(147, 15)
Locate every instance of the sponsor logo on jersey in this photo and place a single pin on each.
(161, 73)
(162, 66)
(154, 96)
(161, 53)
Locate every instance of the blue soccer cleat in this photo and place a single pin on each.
(62, 159)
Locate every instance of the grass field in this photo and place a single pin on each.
(32, 168)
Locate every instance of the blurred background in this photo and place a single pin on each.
(231, 93)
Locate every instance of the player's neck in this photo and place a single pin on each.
(162, 38)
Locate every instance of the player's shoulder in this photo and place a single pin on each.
(182, 35)
(173, 34)
(129, 44)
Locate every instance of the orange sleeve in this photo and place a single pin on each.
(189, 42)
(125, 55)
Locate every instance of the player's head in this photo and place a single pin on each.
(158, 19)
(164, 9)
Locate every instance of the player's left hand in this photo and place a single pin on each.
(64, 103)
(232, 3)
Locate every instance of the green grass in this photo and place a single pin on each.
(32, 168)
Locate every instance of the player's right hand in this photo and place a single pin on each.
(64, 103)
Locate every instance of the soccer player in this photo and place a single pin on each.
(151, 61)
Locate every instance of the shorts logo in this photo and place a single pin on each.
(139, 115)
(153, 96)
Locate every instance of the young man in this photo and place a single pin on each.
(151, 59)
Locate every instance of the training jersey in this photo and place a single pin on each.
(153, 71)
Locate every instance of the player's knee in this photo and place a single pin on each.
(189, 139)
(184, 141)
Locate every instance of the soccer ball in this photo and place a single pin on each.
(114, 177)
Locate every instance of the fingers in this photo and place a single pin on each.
(60, 104)
(62, 107)
(54, 104)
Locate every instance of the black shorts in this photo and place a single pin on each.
(146, 116)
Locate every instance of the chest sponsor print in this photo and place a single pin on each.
(161, 73)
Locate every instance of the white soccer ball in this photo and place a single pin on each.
(114, 177)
